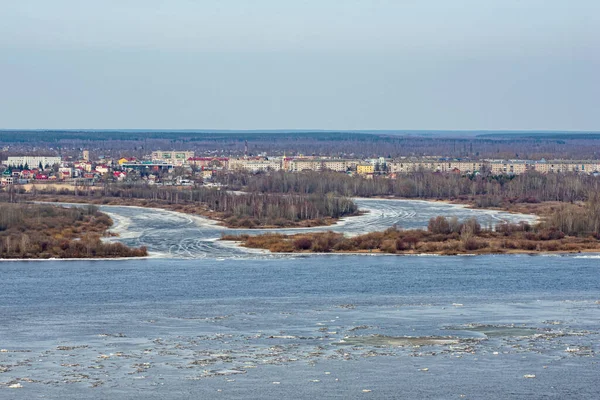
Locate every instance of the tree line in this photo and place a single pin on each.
(487, 189)
(236, 209)
(344, 144)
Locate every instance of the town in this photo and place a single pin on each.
(184, 168)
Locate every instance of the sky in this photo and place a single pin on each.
(300, 64)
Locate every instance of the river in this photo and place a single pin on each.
(205, 319)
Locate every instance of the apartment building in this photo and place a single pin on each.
(587, 167)
(340, 165)
(255, 164)
(177, 158)
(209, 162)
(406, 166)
(365, 169)
(297, 165)
(32, 161)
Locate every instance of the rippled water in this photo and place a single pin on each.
(203, 320)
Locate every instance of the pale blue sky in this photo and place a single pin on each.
(311, 64)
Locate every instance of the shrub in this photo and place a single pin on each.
(282, 247)
(551, 234)
(401, 245)
(471, 225)
(531, 236)
(527, 245)
(344, 245)
(388, 246)
(321, 245)
(429, 248)
(551, 246)
(411, 241)
(302, 243)
(439, 224)
(472, 244)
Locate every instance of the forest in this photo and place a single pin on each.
(485, 189)
(247, 210)
(48, 231)
(570, 202)
(358, 144)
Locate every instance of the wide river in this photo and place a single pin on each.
(204, 319)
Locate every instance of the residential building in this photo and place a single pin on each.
(340, 165)
(103, 169)
(255, 164)
(365, 169)
(32, 161)
(209, 162)
(304, 164)
(65, 172)
(177, 158)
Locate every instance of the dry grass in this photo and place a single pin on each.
(395, 241)
(44, 231)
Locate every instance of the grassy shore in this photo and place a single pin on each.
(510, 238)
(33, 231)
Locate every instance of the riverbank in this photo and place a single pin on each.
(511, 239)
(43, 231)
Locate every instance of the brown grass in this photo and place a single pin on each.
(395, 241)
(45, 231)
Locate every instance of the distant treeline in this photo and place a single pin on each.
(487, 190)
(45, 231)
(524, 145)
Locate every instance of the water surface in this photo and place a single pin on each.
(204, 320)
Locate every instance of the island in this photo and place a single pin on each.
(443, 236)
(249, 210)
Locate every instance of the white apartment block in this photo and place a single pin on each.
(32, 161)
(566, 166)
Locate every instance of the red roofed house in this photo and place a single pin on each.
(119, 175)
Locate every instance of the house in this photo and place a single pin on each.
(84, 165)
(119, 175)
(65, 172)
(102, 169)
